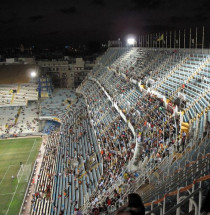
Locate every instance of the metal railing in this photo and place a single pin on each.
(201, 167)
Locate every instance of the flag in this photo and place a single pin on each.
(160, 38)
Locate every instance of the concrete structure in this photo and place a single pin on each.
(58, 70)
(21, 60)
(10, 60)
(65, 74)
(26, 60)
(79, 65)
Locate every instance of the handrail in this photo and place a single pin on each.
(171, 181)
(187, 165)
(98, 81)
(154, 210)
(189, 171)
(176, 171)
(110, 98)
(182, 202)
(109, 184)
(173, 174)
(204, 178)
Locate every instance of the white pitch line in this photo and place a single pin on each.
(18, 183)
(6, 173)
(12, 199)
(31, 151)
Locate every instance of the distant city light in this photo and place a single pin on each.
(33, 74)
(131, 41)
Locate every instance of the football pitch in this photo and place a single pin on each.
(12, 152)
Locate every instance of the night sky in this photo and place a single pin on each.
(65, 22)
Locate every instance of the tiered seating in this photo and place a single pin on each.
(5, 95)
(145, 112)
(111, 55)
(196, 88)
(188, 172)
(116, 140)
(74, 156)
(156, 125)
(197, 93)
(181, 173)
(16, 121)
(139, 132)
(178, 78)
(139, 64)
(44, 188)
(7, 118)
(27, 120)
(18, 95)
(59, 103)
(166, 67)
(77, 175)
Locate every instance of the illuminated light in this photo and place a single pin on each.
(33, 74)
(131, 41)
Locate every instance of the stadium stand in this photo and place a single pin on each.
(58, 104)
(136, 121)
(19, 109)
(157, 115)
(17, 95)
(7, 118)
(139, 122)
(26, 120)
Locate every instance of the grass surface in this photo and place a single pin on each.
(12, 152)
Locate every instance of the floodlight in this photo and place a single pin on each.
(33, 74)
(131, 41)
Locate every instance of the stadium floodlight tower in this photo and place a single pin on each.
(131, 41)
(33, 74)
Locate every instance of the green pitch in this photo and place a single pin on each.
(12, 152)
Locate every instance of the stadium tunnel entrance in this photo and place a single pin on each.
(47, 126)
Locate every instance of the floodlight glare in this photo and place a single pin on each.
(33, 74)
(131, 41)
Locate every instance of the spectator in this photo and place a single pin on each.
(126, 211)
(79, 212)
(135, 202)
(205, 209)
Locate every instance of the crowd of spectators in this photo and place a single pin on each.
(59, 103)
(148, 114)
(156, 127)
(45, 179)
(16, 121)
(133, 205)
(115, 139)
